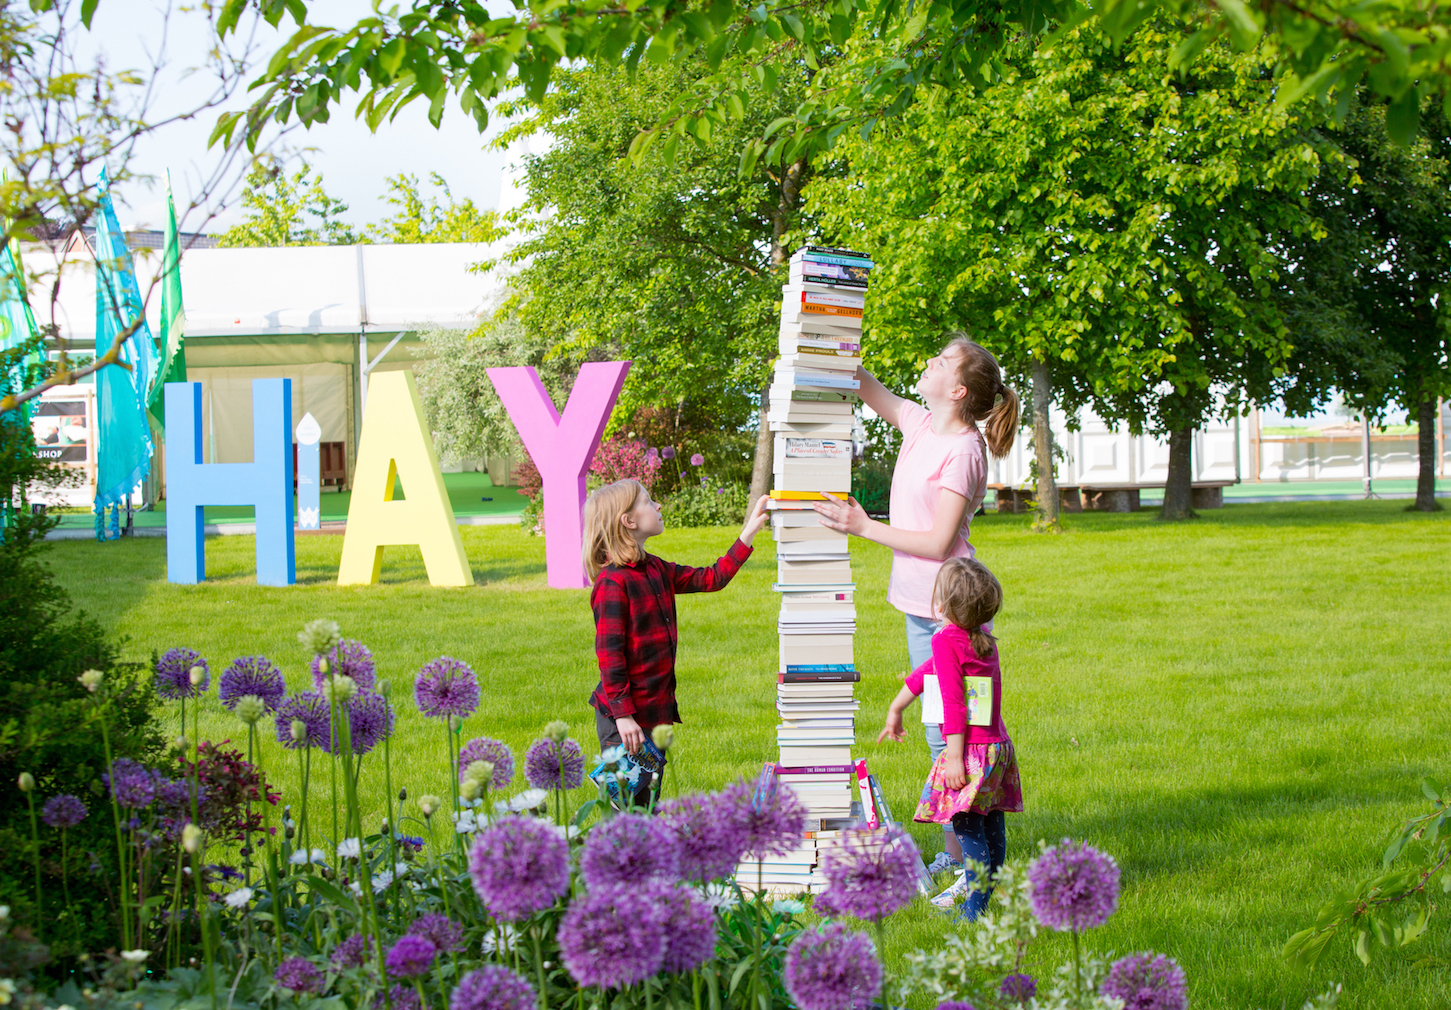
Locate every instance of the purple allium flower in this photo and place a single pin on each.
(446, 687)
(492, 987)
(311, 709)
(697, 460)
(1018, 988)
(63, 811)
(1146, 982)
(173, 674)
(370, 719)
(131, 784)
(300, 975)
(668, 452)
(352, 952)
(768, 826)
(613, 937)
(252, 675)
(176, 794)
(348, 658)
(1073, 886)
(488, 749)
(439, 930)
(652, 455)
(832, 968)
(870, 874)
(956, 1004)
(403, 997)
(629, 849)
(411, 956)
(706, 851)
(690, 931)
(549, 764)
(519, 865)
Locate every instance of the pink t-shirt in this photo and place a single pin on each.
(927, 464)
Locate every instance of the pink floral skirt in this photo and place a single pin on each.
(992, 784)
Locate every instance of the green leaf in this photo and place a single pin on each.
(1430, 791)
(333, 893)
(390, 57)
(1362, 946)
(1403, 117)
(88, 11)
(582, 814)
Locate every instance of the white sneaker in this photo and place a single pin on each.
(954, 893)
(942, 862)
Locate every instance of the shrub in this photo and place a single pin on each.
(707, 503)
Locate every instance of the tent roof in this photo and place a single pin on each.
(300, 290)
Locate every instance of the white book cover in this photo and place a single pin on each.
(832, 427)
(847, 613)
(807, 599)
(839, 327)
(832, 363)
(815, 531)
(817, 448)
(800, 757)
(816, 379)
(824, 294)
(792, 338)
(811, 482)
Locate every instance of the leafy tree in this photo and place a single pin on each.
(436, 220)
(1099, 221)
(288, 210)
(675, 264)
(1371, 299)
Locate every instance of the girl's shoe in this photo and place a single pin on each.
(942, 863)
(953, 894)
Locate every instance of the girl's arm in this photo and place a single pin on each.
(884, 403)
(846, 516)
(611, 606)
(954, 775)
(715, 578)
(893, 728)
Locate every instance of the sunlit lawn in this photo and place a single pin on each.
(1238, 708)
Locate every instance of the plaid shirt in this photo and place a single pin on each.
(635, 634)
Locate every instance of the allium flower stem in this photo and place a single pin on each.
(539, 969)
(1077, 972)
(35, 852)
(124, 889)
(882, 951)
(246, 830)
(333, 751)
(388, 797)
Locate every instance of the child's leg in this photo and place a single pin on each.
(983, 840)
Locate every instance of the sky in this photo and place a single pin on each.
(354, 162)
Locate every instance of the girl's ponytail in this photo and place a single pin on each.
(969, 596)
(979, 373)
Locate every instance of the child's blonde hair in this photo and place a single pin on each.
(969, 596)
(606, 540)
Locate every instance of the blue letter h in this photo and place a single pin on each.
(265, 483)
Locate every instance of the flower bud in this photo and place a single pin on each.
(339, 688)
(196, 675)
(471, 788)
(26, 782)
(429, 804)
(250, 708)
(180, 743)
(323, 666)
(91, 680)
(663, 736)
(403, 795)
(479, 771)
(299, 730)
(384, 688)
(558, 730)
(191, 838)
(320, 636)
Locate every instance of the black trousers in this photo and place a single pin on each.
(608, 732)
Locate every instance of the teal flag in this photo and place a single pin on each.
(123, 457)
(173, 317)
(17, 324)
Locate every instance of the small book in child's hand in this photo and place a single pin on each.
(638, 768)
(979, 694)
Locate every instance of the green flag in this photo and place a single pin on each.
(173, 317)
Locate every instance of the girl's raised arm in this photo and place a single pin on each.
(885, 403)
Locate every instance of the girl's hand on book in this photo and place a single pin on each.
(845, 515)
(754, 521)
(954, 775)
(893, 729)
(632, 737)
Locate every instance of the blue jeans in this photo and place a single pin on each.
(919, 650)
(984, 839)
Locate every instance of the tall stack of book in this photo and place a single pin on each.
(810, 413)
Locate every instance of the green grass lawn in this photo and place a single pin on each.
(1238, 708)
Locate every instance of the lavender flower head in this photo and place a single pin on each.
(706, 852)
(411, 956)
(439, 930)
(63, 811)
(132, 785)
(1018, 988)
(1146, 982)
(629, 849)
(488, 749)
(519, 865)
(176, 794)
(492, 987)
(697, 459)
(956, 1004)
(1073, 886)
(311, 709)
(690, 931)
(370, 720)
(446, 687)
(613, 937)
(349, 658)
(768, 825)
(870, 875)
(554, 765)
(351, 953)
(300, 975)
(832, 968)
(252, 675)
(173, 674)
(403, 997)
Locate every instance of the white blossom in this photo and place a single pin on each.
(237, 899)
(529, 799)
(137, 956)
(350, 848)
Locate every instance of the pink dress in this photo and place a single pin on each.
(987, 752)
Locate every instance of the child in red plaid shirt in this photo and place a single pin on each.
(633, 600)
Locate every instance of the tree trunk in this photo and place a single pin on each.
(1427, 456)
(1179, 488)
(1047, 490)
(765, 449)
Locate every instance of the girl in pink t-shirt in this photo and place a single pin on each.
(939, 481)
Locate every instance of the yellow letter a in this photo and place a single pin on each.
(395, 443)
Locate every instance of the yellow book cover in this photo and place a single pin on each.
(979, 694)
(804, 495)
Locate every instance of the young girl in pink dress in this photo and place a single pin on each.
(974, 781)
